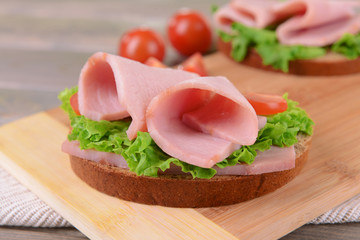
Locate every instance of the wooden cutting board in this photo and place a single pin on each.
(30, 150)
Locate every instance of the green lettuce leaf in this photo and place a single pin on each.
(239, 48)
(145, 158)
(214, 8)
(279, 56)
(255, 35)
(348, 45)
(267, 46)
(101, 135)
(64, 97)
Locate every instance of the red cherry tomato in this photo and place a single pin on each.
(74, 102)
(153, 62)
(194, 64)
(265, 104)
(140, 44)
(189, 32)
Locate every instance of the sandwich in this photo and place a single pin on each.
(168, 137)
(303, 37)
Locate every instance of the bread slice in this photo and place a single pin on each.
(183, 190)
(331, 64)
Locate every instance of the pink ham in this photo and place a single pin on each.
(188, 122)
(201, 119)
(316, 22)
(273, 160)
(73, 148)
(112, 87)
(98, 96)
(262, 121)
(252, 13)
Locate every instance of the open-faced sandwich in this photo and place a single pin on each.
(169, 137)
(304, 37)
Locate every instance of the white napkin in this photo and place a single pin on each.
(20, 207)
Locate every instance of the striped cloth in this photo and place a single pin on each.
(20, 207)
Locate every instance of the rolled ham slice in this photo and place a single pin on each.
(112, 88)
(201, 121)
(316, 22)
(97, 94)
(252, 13)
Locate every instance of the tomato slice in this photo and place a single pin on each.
(194, 64)
(265, 104)
(153, 62)
(139, 44)
(74, 102)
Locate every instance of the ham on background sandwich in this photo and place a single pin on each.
(169, 137)
(305, 37)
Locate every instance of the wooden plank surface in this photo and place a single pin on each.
(330, 177)
(308, 232)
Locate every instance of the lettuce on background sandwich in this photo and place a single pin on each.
(305, 37)
(171, 138)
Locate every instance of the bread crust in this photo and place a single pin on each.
(331, 64)
(182, 190)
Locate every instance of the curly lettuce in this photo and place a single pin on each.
(145, 158)
(348, 45)
(266, 44)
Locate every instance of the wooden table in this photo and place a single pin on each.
(43, 45)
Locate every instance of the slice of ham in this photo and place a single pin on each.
(112, 87)
(112, 159)
(273, 160)
(218, 109)
(252, 13)
(97, 94)
(187, 121)
(220, 117)
(262, 121)
(316, 22)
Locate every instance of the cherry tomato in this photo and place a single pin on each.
(140, 44)
(194, 64)
(265, 104)
(189, 32)
(74, 102)
(153, 62)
